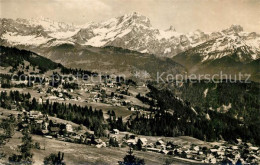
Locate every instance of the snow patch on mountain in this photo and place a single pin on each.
(133, 31)
(17, 39)
(51, 25)
(59, 42)
(63, 35)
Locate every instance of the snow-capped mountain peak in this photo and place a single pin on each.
(130, 31)
(51, 25)
(103, 33)
(233, 29)
(135, 19)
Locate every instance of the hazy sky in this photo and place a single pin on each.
(184, 15)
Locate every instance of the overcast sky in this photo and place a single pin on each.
(184, 15)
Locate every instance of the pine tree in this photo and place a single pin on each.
(130, 159)
(8, 125)
(139, 145)
(26, 147)
(54, 159)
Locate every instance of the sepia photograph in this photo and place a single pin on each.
(129, 82)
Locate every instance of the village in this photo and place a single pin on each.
(115, 91)
(124, 94)
(215, 152)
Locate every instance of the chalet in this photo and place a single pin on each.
(89, 84)
(98, 141)
(253, 149)
(150, 145)
(213, 150)
(115, 131)
(143, 141)
(159, 142)
(248, 144)
(114, 99)
(25, 125)
(238, 141)
(52, 97)
(164, 152)
(69, 128)
(196, 148)
(103, 144)
(131, 142)
(110, 84)
(49, 137)
(132, 109)
(75, 137)
(177, 151)
(213, 160)
(200, 153)
(39, 123)
(234, 147)
(87, 141)
(54, 130)
(40, 100)
(44, 132)
(60, 95)
(35, 114)
(59, 89)
(60, 138)
(163, 147)
(220, 153)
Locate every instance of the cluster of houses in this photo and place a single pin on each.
(240, 152)
(225, 153)
(103, 90)
(41, 125)
(221, 152)
(107, 92)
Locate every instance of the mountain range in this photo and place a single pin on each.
(197, 51)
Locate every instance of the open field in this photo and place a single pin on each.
(119, 110)
(76, 154)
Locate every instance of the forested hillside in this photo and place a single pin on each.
(192, 114)
(14, 57)
(239, 100)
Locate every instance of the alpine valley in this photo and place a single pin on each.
(87, 94)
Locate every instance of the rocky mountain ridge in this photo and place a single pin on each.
(131, 31)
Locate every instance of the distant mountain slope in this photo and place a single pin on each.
(131, 31)
(34, 32)
(110, 60)
(230, 54)
(14, 57)
(231, 50)
(135, 32)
